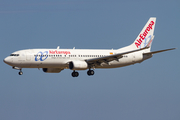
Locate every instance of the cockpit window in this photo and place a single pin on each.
(14, 55)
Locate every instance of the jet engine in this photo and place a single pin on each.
(78, 65)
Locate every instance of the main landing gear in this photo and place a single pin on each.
(76, 74)
(90, 72)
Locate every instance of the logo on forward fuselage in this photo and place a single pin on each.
(41, 56)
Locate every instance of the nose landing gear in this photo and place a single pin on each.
(18, 68)
(20, 72)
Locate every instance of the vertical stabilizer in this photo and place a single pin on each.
(146, 35)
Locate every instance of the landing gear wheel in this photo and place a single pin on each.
(75, 74)
(90, 72)
(20, 73)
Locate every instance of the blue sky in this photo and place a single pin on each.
(149, 90)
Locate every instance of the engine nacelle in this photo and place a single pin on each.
(52, 70)
(78, 65)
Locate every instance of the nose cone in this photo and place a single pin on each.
(8, 60)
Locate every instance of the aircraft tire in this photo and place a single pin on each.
(90, 72)
(75, 74)
(20, 73)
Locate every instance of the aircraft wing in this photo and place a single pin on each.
(109, 58)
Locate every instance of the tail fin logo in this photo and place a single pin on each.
(144, 34)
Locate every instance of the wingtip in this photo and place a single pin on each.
(173, 48)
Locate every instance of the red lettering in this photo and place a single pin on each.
(137, 44)
(59, 52)
(150, 26)
(140, 41)
(148, 29)
(152, 22)
(141, 36)
(144, 34)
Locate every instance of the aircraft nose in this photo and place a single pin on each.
(8, 60)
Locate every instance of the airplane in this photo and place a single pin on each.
(56, 60)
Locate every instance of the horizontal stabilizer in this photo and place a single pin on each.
(158, 51)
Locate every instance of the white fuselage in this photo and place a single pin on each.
(59, 58)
